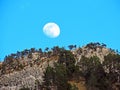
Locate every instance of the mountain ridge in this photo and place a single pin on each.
(24, 68)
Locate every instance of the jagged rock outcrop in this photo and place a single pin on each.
(26, 70)
(88, 52)
(25, 78)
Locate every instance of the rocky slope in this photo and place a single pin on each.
(24, 71)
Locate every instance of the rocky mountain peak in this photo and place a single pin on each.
(24, 68)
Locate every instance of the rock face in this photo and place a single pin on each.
(35, 64)
(87, 52)
(26, 77)
(17, 80)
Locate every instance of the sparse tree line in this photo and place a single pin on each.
(97, 75)
(105, 76)
(14, 61)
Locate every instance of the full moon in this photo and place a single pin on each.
(51, 30)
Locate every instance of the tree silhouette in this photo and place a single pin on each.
(56, 50)
(32, 50)
(72, 46)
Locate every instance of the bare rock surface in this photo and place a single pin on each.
(35, 66)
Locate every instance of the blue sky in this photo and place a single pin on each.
(80, 21)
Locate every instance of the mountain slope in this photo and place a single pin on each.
(26, 68)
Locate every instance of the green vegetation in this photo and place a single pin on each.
(58, 78)
(96, 75)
